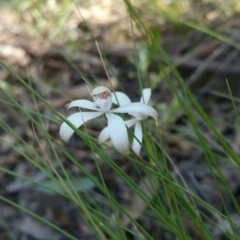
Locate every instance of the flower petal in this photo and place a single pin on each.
(104, 135)
(137, 108)
(77, 119)
(120, 98)
(138, 137)
(82, 103)
(146, 94)
(118, 132)
(131, 122)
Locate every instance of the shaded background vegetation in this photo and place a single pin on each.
(51, 45)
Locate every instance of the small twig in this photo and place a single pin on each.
(104, 66)
(224, 95)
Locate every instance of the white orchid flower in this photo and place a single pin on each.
(122, 100)
(101, 105)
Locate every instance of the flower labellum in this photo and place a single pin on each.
(100, 92)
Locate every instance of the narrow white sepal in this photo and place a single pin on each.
(118, 132)
(77, 119)
(104, 135)
(82, 103)
(137, 108)
(131, 122)
(120, 98)
(138, 137)
(146, 94)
